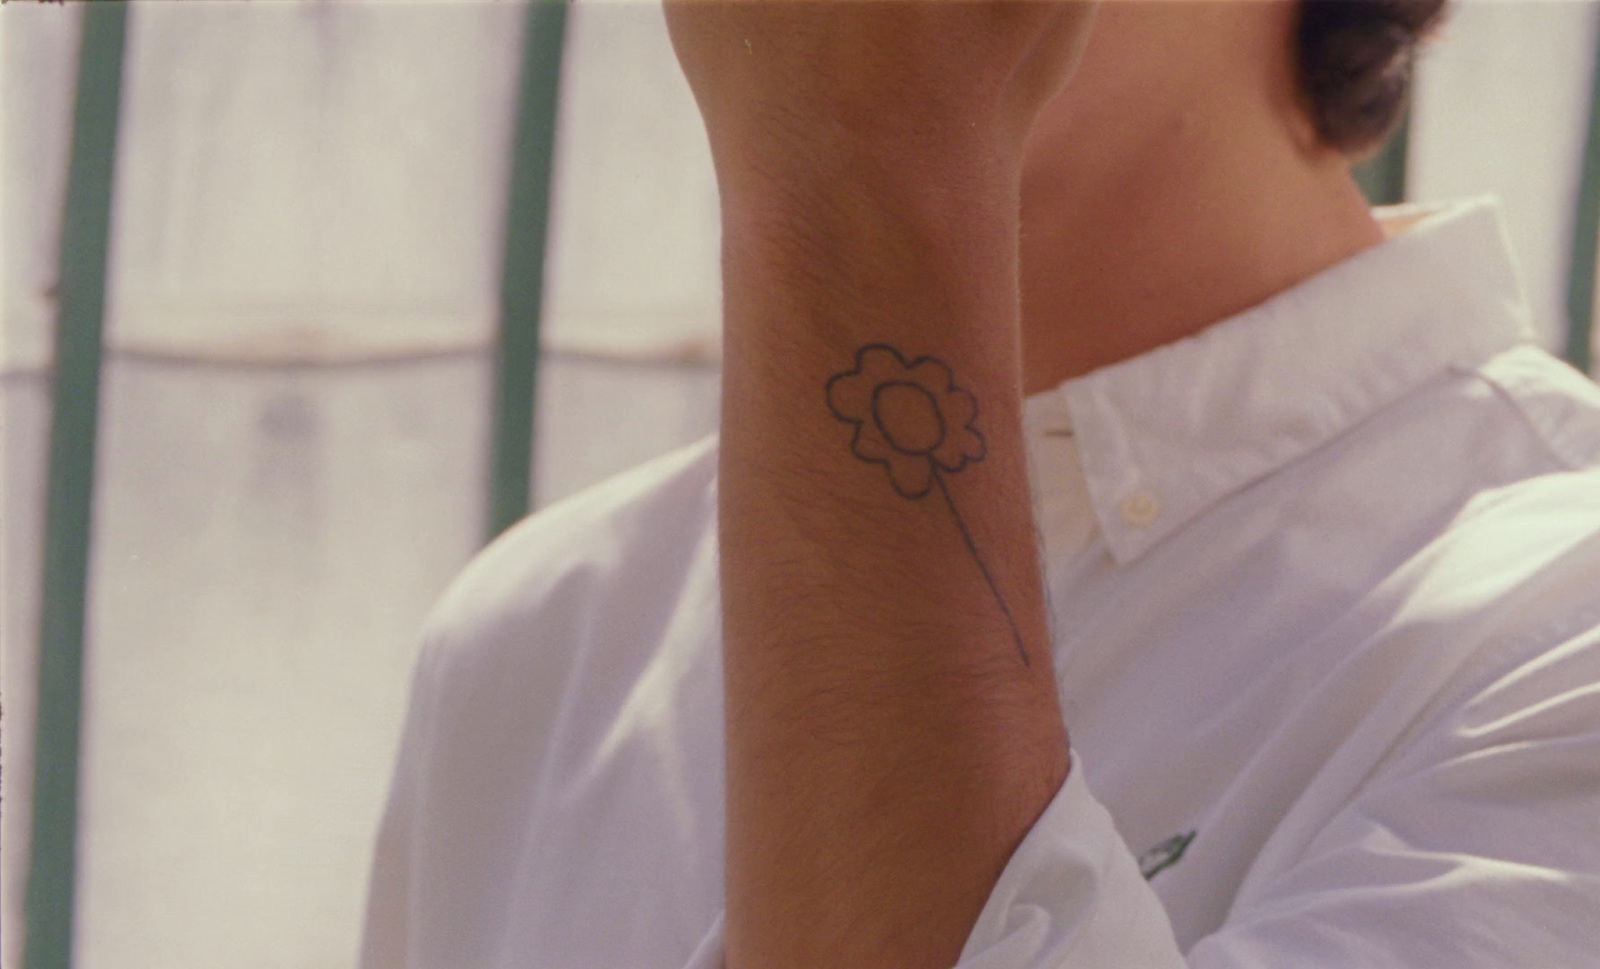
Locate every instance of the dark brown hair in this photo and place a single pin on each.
(1355, 65)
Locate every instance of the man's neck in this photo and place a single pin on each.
(1125, 251)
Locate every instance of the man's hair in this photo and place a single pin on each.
(1355, 61)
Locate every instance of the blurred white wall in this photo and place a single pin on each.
(295, 417)
(296, 397)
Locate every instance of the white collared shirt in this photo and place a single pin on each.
(1324, 583)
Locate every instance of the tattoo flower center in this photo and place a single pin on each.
(908, 416)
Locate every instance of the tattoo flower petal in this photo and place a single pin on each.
(908, 416)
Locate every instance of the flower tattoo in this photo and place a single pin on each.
(911, 418)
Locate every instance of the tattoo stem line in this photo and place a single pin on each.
(972, 547)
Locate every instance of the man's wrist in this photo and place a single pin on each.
(879, 227)
(785, 161)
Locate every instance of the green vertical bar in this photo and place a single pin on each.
(522, 269)
(1585, 228)
(1383, 176)
(85, 238)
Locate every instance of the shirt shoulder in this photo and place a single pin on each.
(1513, 575)
(516, 736)
(613, 547)
(1560, 405)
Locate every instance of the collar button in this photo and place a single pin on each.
(1140, 508)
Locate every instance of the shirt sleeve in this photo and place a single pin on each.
(1071, 897)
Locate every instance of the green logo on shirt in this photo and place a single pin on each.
(1164, 855)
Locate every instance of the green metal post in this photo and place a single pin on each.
(522, 268)
(85, 240)
(1585, 228)
(1383, 176)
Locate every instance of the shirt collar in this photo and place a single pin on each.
(1166, 435)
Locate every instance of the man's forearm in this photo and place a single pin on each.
(892, 720)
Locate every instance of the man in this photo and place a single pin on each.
(1320, 598)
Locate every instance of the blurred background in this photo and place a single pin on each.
(304, 301)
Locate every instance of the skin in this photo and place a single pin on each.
(915, 175)
(1177, 181)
